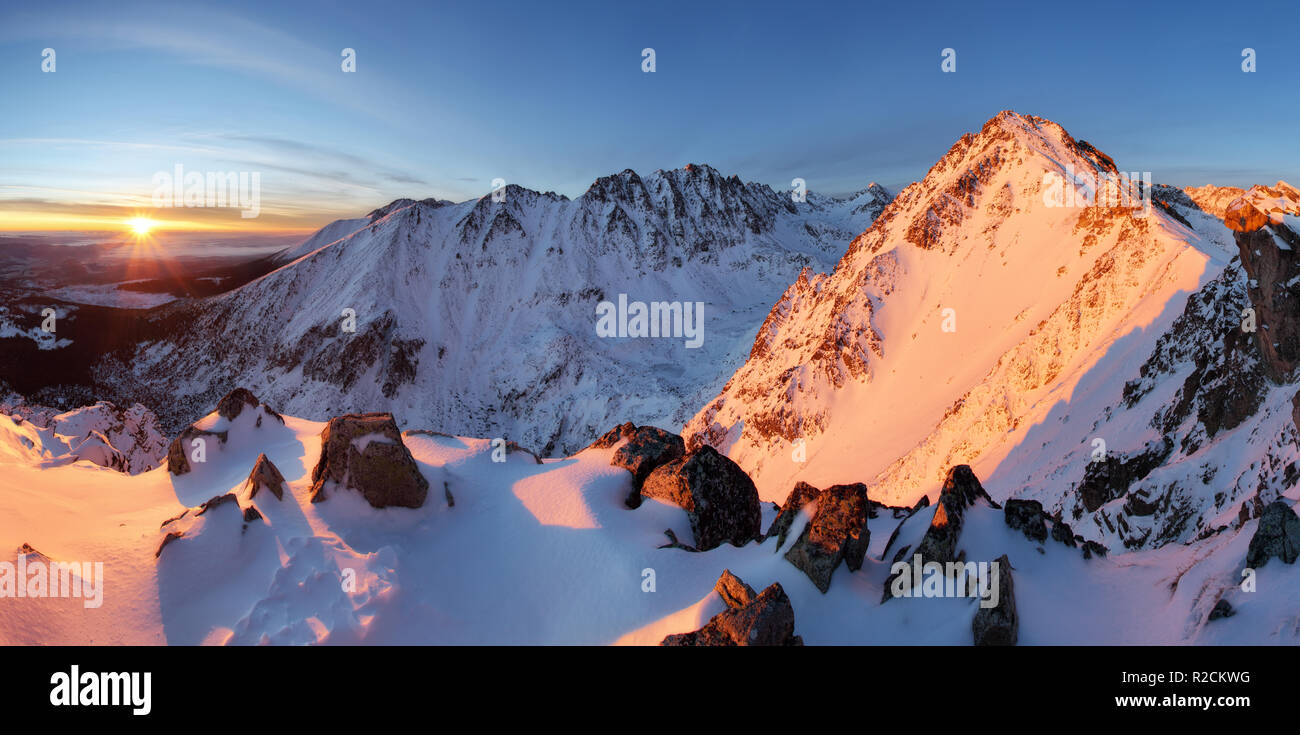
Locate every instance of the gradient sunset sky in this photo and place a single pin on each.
(551, 95)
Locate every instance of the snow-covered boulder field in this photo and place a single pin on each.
(504, 549)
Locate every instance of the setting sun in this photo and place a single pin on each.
(141, 225)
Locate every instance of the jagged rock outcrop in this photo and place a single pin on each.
(1110, 477)
(128, 440)
(999, 625)
(1027, 517)
(647, 447)
(1222, 609)
(961, 489)
(717, 495)
(179, 451)
(794, 502)
(1278, 535)
(230, 407)
(765, 619)
(189, 523)
(234, 402)
(733, 590)
(365, 452)
(265, 476)
(836, 532)
(1265, 221)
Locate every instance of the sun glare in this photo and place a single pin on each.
(141, 226)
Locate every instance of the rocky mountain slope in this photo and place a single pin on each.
(1092, 358)
(480, 317)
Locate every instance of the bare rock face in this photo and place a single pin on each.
(230, 407)
(999, 625)
(961, 488)
(733, 590)
(719, 498)
(1278, 535)
(178, 462)
(1268, 250)
(765, 619)
(265, 476)
(836, 532)
(365, 452)
(647, 448)
(794, 502)
(1027, 517)
(614, 436)
(233, 403)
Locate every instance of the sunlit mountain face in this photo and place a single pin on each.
(323, 332)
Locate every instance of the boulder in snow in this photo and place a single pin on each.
(265, 475)
(1026, 516)
(794, 502)
(999, 625)
(718, 497)
(766, 619)
(1278, 535)
(365, 452)
(836, 532)
(647, 447)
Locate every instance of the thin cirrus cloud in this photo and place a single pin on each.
(302, 181)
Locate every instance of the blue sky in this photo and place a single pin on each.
(551, 95)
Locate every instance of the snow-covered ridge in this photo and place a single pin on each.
(480, 317)
(972, 323)
(523, 551)
(127, 440)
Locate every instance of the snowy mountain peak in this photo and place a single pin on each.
(952, 325)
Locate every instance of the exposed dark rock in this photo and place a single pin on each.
(1275, 293)
(512, 447)
(233, 403)
(265, 475)
(170, 537)
(673, 543)
(766, 619)
(1295, 413)
(384, 472)
(1091, 547)
(837, 531)
(647, 447)
(614, 436)
(999, 625)
(216, 502)
(1062, 532)
(961, 488)
(1027, 517)
(719, 498)
(1278, 535)
(178, 452)
(1222, 609)
(1110, 478)
(924, 502)
(794, 502)
(251, 514)
(1136, 505)
(733, 590)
